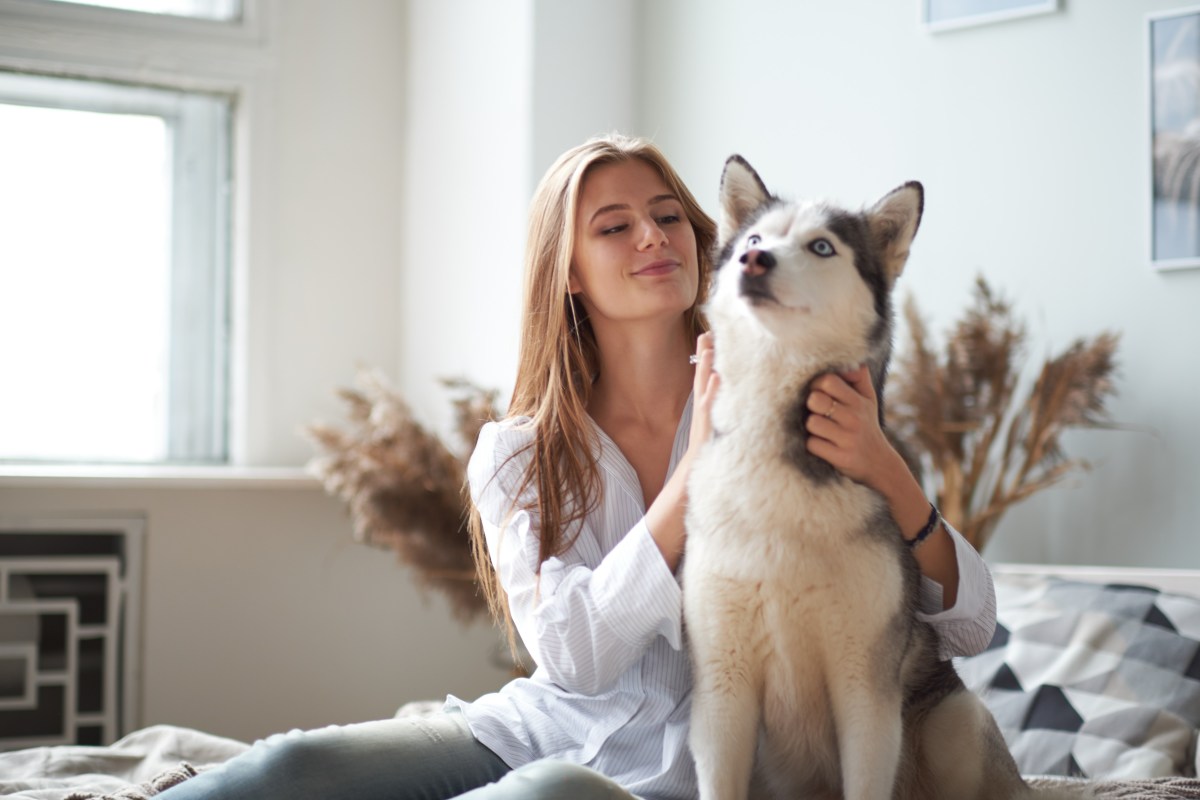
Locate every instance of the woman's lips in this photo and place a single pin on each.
(658, 268)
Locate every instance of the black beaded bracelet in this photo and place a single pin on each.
(932, 524)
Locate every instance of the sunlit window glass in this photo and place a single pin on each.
(84, 299)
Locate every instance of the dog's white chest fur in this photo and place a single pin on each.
(795, 594)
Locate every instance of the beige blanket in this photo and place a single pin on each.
(1150, 789)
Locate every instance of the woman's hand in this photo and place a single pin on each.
(844, 427)
(844, 430)
(665, 517)
(704, 392)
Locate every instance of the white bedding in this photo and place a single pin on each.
(155, 756)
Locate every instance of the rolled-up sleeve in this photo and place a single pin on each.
(965, 628)
(587, 615)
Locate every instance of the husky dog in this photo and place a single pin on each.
(799, 592)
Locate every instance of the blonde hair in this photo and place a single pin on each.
(558, 355)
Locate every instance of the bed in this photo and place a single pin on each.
(1093, 676)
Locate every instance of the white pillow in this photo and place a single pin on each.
(1092, 680)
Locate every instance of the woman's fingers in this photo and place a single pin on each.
(704, 388)
(704, 362)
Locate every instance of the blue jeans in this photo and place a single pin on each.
(407, 758)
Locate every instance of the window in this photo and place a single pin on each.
(203, 9)
(114, 272)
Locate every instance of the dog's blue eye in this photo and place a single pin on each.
(823, 248)
(754, 241)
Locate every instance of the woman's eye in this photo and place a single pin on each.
(823, 248)
(754, 241)
(612, 230)
(669, 219)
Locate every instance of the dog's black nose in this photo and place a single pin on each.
(757, 262)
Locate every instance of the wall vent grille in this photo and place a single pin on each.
(70, 596)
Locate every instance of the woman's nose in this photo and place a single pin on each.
(652, 235)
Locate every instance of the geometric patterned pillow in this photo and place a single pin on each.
(1092, 680)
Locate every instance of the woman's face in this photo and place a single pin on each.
(635, 250)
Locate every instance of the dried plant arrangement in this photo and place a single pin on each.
(403, 485)
(987, 435)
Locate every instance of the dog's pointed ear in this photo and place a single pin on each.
(742, 191)
(894, 221)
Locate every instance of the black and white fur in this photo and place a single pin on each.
(799, 594)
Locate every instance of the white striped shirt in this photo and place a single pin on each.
(612, 687)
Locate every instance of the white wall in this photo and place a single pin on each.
(526, 80)
(1030, 139)
(466, 144)
(586, 72)
(323, 289)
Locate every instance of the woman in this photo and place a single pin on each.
(579, 502)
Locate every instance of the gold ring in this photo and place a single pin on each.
(832, 408)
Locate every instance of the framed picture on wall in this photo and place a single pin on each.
(940, 15)
(1174, 47)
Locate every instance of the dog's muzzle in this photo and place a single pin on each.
(756, 270)
(757, 262)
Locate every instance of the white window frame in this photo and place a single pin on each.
(233, 58)
(88, 25)
(198, 314)
(219, 10)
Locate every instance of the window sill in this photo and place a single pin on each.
(137, 476)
